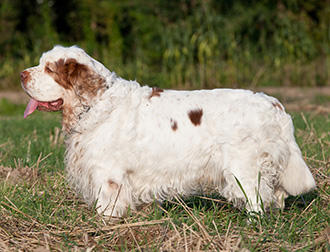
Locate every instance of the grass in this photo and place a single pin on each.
(39, 211)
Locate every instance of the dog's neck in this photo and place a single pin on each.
(76, 106)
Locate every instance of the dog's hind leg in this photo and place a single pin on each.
(252, 177)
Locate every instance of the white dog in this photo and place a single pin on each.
(128, 145)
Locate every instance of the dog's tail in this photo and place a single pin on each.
(297, 178)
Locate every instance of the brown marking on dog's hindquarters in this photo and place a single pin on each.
(195, 116)
(156, 92)
(174, 125)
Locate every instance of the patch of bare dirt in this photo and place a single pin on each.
(18, 175)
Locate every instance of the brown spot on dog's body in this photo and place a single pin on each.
(156, 92)
(112, 185)
(174, 125)
(195, 116)
(277, 105)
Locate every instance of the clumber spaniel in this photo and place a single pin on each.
(128, 145)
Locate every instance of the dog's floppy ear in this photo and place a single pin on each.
(70, 66)
(84, 80)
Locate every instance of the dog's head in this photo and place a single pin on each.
(66, 79)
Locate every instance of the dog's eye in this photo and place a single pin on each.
(48, 70)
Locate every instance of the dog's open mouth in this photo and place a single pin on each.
(42, 106)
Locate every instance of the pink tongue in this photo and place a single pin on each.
(30, 108)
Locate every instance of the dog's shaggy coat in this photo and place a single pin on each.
(128, 145)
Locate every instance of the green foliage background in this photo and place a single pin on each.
(180, 44)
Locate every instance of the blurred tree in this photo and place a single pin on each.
(8, 26)
(209, 42)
